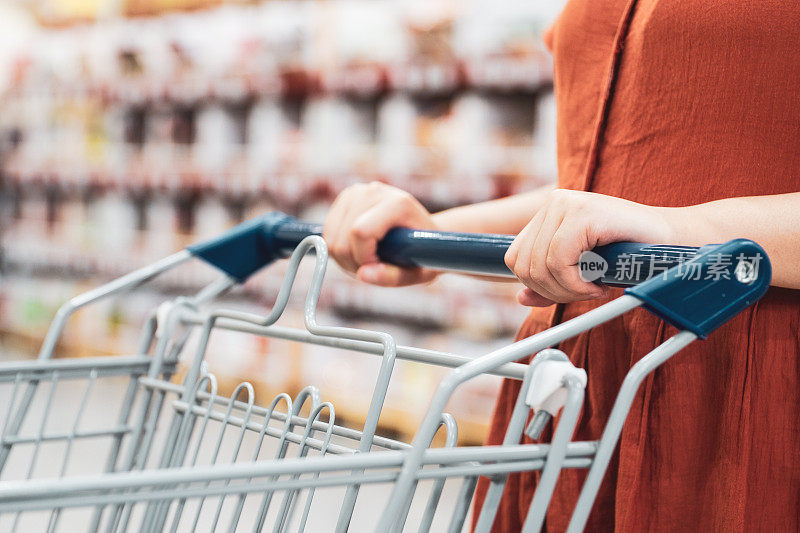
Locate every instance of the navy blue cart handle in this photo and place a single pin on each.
(712, 283)
(254, 244)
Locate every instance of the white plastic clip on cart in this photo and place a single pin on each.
(172, 454)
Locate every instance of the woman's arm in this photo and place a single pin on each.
(545, 254)
(771, 221)
(505, 215)
(554, 227)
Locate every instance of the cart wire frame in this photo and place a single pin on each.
(157, 484)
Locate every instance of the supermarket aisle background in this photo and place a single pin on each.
(130, 128)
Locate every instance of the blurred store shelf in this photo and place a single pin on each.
(124, 139)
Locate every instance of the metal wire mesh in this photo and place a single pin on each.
(172, 452)
(199, 427)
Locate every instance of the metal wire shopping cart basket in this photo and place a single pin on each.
(172, 453)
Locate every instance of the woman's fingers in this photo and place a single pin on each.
(359, 218)
(530, 298)
(540, 274)
(524, 257)
(370, 226)
(393, 276)
(521, 244)
(338, 230)
(333, 219)
(545, 255)
(343, 250)
(334, 232)
(518, 254)
(563, 256)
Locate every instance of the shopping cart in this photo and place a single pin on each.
(173, 453)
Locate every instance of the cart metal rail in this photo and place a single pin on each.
(174, 454)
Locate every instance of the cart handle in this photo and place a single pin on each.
(696, 289)
(248, 247)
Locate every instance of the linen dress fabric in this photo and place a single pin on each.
(675, 103)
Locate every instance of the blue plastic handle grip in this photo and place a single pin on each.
(719, 282)
(252, 245)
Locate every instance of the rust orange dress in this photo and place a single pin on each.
(674, 103)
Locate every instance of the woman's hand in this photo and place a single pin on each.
(360, 217)
(545, 254)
